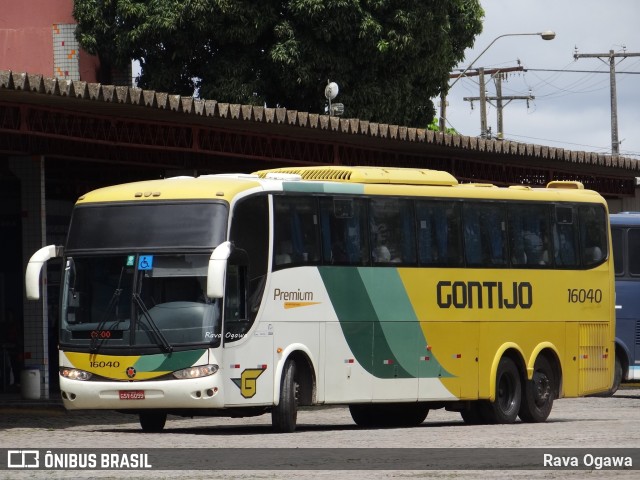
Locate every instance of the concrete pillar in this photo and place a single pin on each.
(30, 171)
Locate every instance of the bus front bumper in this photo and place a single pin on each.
(194, 393)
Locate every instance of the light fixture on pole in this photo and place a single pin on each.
(545, 35)
(331, 92)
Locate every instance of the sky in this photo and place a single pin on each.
(570, 110)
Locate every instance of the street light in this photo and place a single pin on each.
(546, 35)
(330, 93)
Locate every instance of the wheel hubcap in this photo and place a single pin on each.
(543, 389)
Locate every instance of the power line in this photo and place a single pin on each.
(576, 71)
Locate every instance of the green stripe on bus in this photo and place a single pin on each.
(329, 187)
(397, 319)
(378, 322)
(168, 362)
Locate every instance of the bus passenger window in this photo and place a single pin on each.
(617, 235)
(284, 251)
(564, 237)
(295, 231)
(438, 233)
(392, 231)
(344, 230)
(593, 235)
(529, 241)
(484, 234)
(633, 239)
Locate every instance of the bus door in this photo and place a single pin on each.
(248, 363)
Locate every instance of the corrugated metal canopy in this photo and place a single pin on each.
(164, 126)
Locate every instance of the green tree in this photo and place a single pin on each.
(435, 126)
(389, 57)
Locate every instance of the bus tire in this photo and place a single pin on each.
(363, 415)
(617, 380)
(539, 393)
(473, 414)
(408, 414)
(389, 414)
(152, 422)
(508, 395)
(617, 376)
(412, 415)
(285, 415)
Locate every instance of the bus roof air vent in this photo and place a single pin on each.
(371, 175)
(568, 184)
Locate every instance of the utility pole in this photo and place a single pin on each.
(545, 35)
(496, 74)
(483, 104)
(615, 144)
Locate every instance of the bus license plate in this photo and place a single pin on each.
(131, 394)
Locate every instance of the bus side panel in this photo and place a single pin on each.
(389, 364)
(458, 343)
(595, 358)
(570, 367)
(345, 379)
(628, 322)
(248, 367)
(295, 305)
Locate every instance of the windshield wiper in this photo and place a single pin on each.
(113, 302)
(161, 339)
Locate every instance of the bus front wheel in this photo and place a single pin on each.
(508, 394)
(285, 415)
(539, 393)
(152, 422)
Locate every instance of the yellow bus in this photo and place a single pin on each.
(393, 291)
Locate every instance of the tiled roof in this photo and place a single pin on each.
(136, 97)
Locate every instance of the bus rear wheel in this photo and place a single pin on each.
(508, 395)
(285, 415)
(539, 393)
(152, 422)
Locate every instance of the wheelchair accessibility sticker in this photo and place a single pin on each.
(145, 262)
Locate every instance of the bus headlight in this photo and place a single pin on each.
(196, 372)
(75, 374)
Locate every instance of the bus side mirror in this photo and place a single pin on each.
(37, 260)
(218, 270)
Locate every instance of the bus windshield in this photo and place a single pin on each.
(141, 300)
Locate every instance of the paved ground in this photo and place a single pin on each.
(588, 423)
